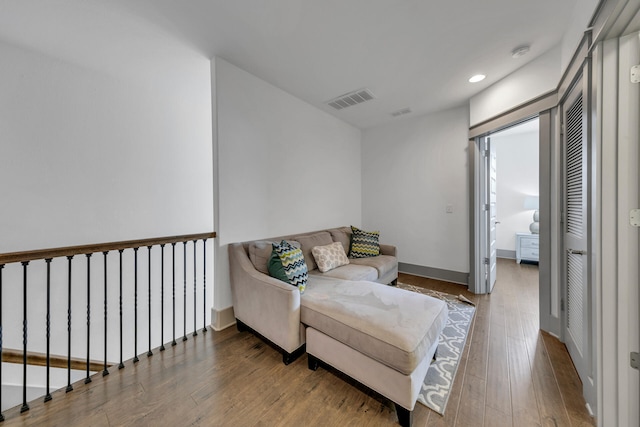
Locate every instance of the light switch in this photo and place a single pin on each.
(449, 208)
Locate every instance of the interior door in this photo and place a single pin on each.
(488, 205)
(492, 215)
(576, 262)
(485, 270)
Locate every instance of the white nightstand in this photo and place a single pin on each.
(527, 247)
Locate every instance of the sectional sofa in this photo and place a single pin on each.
(348, 317)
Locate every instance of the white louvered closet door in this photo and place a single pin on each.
(576, 315)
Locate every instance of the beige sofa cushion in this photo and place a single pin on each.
(308, 242)
(350, 272)
(391, 325)
(342, 235)
(382, 263)
(260, 252)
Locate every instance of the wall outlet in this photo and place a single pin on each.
(635, 74)
(449, 208)
(634, 217)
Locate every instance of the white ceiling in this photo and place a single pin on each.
(409, 53)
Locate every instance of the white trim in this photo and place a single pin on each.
(616, 294)
(222, 319)
(628, 140)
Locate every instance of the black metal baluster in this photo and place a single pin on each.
(195, 282)
(25, 406)
(105, 371)
(204, 286)
(121, 365)
(184, 269)
(48, 397)
(135, 305)
(1, 268)
(162, 297)
(88, 378)
(173, 254)
(149, 353)
(69, 386)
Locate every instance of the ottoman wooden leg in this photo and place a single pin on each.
(241, 326)
(313, 362)
(288, 358)
(405, 416)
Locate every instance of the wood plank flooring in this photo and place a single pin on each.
(510, 374)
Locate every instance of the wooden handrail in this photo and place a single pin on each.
(55, 361)
(11, 257)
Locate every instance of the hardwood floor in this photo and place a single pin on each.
(510, 375)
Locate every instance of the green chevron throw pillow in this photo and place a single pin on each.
(274, 265)
(364, 244)
(293, 264)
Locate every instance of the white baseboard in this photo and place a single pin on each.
(222, 319)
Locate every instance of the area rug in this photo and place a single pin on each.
(436, 387)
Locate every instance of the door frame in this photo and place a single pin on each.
(545, 108)
(539, 107)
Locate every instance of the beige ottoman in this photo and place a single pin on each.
(381, 336)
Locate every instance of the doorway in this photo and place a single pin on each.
(508, 198)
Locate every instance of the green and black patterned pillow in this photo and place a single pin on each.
(274, 265)
(364, 244)
(293, 264)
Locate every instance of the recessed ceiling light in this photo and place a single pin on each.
(477, 78)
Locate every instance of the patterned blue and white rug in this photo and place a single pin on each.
(439, 380)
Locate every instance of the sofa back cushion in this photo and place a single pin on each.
(260, 252)
(310, 241)
(342, 235)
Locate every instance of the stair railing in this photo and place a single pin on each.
(74, 253)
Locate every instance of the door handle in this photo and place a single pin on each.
(497, 222)
(576, 252)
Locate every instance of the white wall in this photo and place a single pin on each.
(284, 166)
(90, 157)
(87, 158)
(538, 77)
(411, 170)
(583, 11)
(517, 177)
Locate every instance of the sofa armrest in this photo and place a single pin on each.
(267, 305)
(389, 250)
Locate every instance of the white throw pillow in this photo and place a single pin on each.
(330, 256)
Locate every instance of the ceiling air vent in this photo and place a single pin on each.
(401, 112)
(351, 98)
